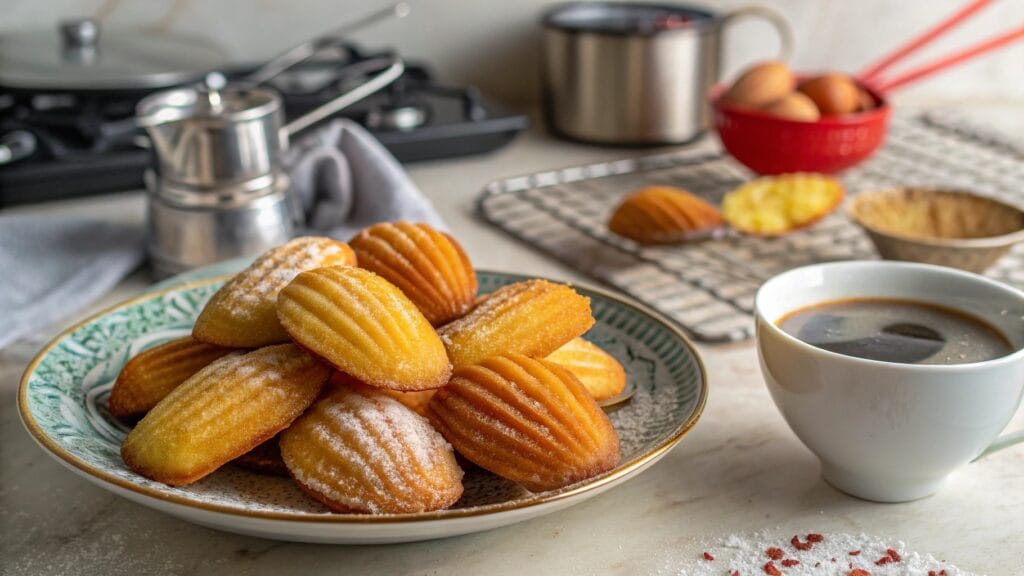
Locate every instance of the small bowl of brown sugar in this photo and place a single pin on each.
(945, 227)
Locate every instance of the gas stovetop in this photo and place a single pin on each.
(64, 144)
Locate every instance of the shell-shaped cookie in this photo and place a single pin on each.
(152, 374)
(365, 327)
(599, 372)
(222, 412)
(363, 451)
(533, 317)
(527, 420)
(427, 265)
(242, 314)
(265, 458)
(662, 215)
(777, 205)
(415, 400)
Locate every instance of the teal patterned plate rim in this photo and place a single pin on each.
(62, 395)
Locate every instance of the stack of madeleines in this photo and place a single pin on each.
(361, 369)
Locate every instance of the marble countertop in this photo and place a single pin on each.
(740, 470)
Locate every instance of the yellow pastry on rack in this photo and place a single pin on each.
(663, 215)
(153, 373)
(599, 372)
(222, 412)
(776, 205)
(363, 451)
(527, 420)
(533, 317)
(427, 265)
(242, 314)
(365, 327)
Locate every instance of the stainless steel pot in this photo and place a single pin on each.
(218, 189)
(210, 137)
(624, 73)
(190, 228)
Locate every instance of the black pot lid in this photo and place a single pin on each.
(79, 56)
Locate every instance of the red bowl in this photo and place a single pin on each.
(771, 145)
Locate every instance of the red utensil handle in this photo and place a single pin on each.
(943, 63)
(955, 19)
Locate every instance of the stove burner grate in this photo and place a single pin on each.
(64, 144)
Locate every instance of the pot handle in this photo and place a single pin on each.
(377, 82)
(307, 50)
(778, 21)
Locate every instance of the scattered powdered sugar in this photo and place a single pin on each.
(392, 448)
(317, 248)
(399, 427)
(829, 554)
(245, 371)
(265, 278)
(480, 320)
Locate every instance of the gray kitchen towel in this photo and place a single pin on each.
(55, 266)
(347, 181)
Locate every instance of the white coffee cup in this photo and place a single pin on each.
(887, 431)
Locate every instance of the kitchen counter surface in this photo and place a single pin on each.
(741, 470)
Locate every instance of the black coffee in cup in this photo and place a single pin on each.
(892, 330)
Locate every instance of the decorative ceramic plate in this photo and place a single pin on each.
(64, 393)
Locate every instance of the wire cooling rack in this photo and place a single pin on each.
(708, 287)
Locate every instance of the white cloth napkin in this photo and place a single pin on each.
(53, 267)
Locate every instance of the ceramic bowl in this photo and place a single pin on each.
(944, 227)
(63, 403)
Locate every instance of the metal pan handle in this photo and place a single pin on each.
(307, 50)
(377, 82)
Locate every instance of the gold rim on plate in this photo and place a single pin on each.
(67, 458)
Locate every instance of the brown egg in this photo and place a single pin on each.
(761, 85)
(794, 106)
(865, 101)
(833, 93)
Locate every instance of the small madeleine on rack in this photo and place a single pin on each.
(663, 215)
(222, 412)
(364, 326)
(242, 314)
(598, 371)
(527, 420)
(151, 375)
(358, 450)
(777, 205)
(427, 265)
(533, 317)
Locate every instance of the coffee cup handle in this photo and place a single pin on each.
(1001, 442)
(778, 21)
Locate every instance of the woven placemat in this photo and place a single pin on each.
(708, 287)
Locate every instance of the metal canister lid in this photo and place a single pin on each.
(208, 105)
(81, 56)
